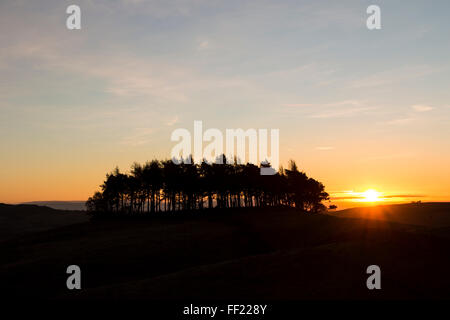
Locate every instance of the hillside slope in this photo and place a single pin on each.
(17, 220)
(248, 254)
(430, 214)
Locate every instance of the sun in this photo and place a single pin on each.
(371, 195)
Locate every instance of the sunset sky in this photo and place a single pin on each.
(357, 109)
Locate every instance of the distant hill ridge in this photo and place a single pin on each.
(60, 205)
(16, 220)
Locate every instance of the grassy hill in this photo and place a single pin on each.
(246, 254)
(16, 220)
(431, 214)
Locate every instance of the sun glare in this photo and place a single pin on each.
(371, 195)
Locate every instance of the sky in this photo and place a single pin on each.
(357, 109)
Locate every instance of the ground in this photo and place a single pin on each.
(276, 254)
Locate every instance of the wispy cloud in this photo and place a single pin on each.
(203, 44)
(421, 108)
(122, 74)
(389, 156)
(399, 122)
(343, 108)
(173, 121)
(387, 77)
(347, 112)
(346, 108)
(409, 117)
(138, 137)
(327, 148)
(298, 105)
(358, 196)
(361, 196)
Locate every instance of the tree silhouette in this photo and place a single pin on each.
(163, 186)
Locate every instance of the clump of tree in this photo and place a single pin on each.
(163, 186)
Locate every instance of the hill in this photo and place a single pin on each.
(16, 220)
(61, 205)
(430, 214)
(239, 254)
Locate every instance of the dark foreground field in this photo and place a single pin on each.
(252, 254)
